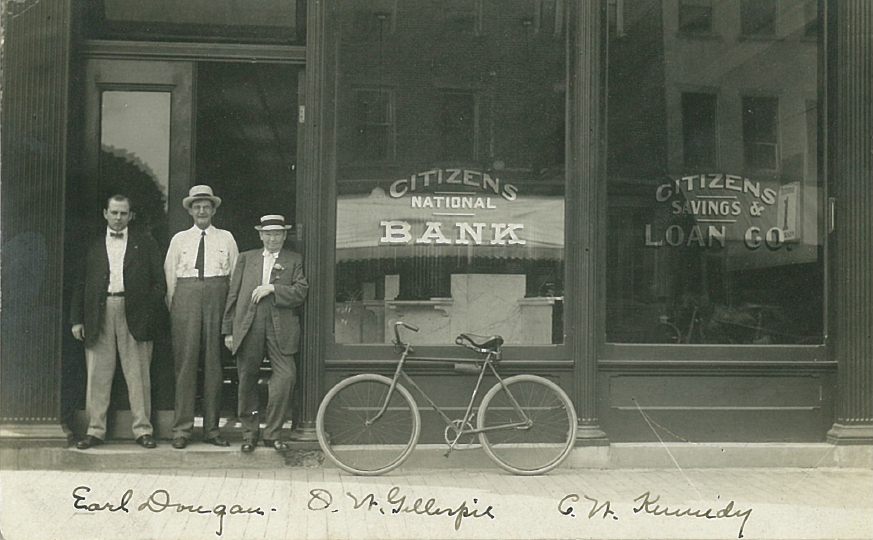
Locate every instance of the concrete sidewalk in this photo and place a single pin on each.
(416, 502)
(124, 454)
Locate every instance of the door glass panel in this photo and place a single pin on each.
(715, 220)
(135, 154)
(450, 170)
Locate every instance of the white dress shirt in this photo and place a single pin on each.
(219, 258)
(115, 250)
(269, 261)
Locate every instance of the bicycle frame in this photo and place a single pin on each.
(487, 363)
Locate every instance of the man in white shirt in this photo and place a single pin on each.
(115, 302)
(198, 267)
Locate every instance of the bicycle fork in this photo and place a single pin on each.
(398, 371)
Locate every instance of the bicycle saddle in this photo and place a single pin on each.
(490, 343)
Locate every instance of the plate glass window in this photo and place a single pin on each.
(450, 170)
(715, 195)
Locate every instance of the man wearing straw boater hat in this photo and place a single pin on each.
(260, 319)
(198, 266)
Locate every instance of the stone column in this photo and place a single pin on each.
(314, 224)
(850, 129)
(585, 216)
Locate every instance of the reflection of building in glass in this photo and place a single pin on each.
(718, 101)
(450, 157)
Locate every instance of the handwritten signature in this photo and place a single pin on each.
(395, 502)
(157, 502)
(651, 505)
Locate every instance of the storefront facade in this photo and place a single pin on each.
(662, 205)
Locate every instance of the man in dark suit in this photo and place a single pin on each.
(114, 305)
(260, 319)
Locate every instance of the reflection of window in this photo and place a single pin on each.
(463, 16)
(695, 16)
(458, 126)
(810, 29)
(371, 25)
(758, 17)
(760, 122)
(615, 17)
(698, 130)
(374, 118)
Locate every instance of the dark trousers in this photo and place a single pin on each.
(195, 318)
(261, 341)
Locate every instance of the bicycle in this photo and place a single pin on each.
(757, 324)
(369, 424)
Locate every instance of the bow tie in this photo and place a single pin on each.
(116, 234)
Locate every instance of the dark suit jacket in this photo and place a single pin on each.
(291, 288)
(144, 287)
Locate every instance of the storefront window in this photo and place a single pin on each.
(450, 170)
(715, 202)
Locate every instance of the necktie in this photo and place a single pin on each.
(200, 255)
(116, 234)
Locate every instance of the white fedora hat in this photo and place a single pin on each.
(200, 192)
(273, 222)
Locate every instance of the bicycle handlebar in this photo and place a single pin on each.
(397, 326)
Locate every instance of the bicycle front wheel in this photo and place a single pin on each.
(531, 423)
(352, 436)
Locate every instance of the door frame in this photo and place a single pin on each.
(161, 67)
(177, 78)
(166, 67)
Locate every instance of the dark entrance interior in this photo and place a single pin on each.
(246, 149)
(246, 143)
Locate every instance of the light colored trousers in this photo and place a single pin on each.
(136, 359)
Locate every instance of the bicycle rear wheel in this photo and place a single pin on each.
(543, 443)
(353, 440)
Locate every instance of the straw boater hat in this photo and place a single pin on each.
(200, 192)
(273, 222)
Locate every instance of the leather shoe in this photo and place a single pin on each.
(248, 445)
(146, 441)
(278, 444)
(217, 441)
(180, 443)
(88, 442)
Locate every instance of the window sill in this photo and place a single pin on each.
(762, 38)
(700, 36)
(656, 354)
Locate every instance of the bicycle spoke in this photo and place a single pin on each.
(529, 449)
(355, 436)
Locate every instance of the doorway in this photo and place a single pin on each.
(153, 129)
